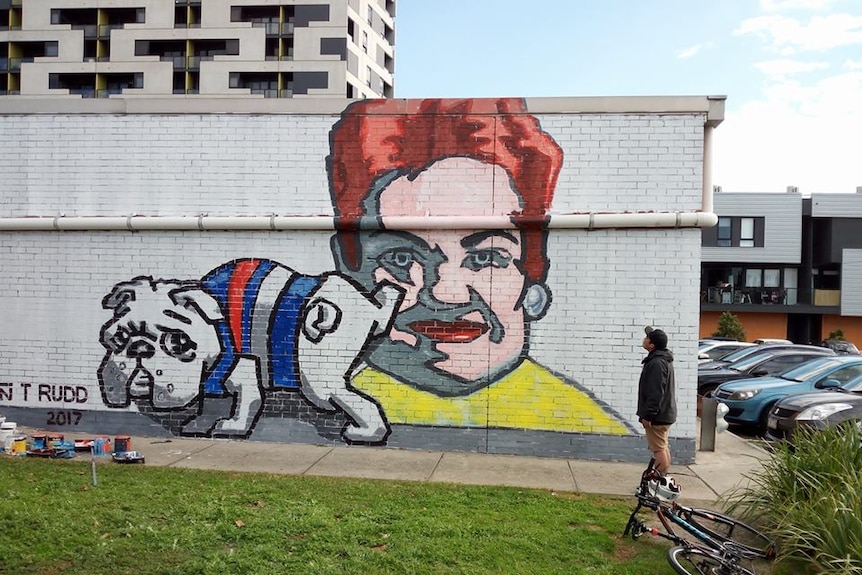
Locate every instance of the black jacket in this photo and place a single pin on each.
(657, 388)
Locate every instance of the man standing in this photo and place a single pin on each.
(657, 396)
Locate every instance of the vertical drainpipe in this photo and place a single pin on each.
(707, 168)
(714, 117)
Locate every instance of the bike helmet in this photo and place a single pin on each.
(665, 488)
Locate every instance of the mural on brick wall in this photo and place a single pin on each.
(412, 327)
(250, 326)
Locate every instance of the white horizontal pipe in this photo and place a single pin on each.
(273, 223)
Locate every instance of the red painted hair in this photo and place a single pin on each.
(375, 137)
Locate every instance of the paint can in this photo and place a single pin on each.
(122, 444)
(40, 441)
(7, 435)
(19, 445)
(101, 446)
(54, 440)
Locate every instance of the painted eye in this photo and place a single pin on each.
(118, 340)
(398, 263)
(489, 258)
(179, 345)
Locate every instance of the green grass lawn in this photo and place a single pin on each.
(149, 520)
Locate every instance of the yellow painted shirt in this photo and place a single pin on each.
(529, 397)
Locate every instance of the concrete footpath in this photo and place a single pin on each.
(714, 473)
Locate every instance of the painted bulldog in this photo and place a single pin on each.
(248, 326)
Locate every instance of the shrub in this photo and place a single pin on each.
(836, 334)
(730, 326)
(809, 495)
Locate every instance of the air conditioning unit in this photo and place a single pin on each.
(792, 189)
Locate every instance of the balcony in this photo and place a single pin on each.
(827, 297)
(761, 296)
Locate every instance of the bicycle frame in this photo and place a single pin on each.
(670, 513)
(725, 552)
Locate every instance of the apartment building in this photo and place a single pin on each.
(788, 266)
(223, 48)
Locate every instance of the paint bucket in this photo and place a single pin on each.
(101, 446)
(40, 441)
(122, 444)
(54, 440)
(19, 445)
(7, 434)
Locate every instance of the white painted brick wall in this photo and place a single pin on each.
(606, 284)
(104, 165)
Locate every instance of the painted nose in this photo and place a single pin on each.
(141, 349)
(451, 285)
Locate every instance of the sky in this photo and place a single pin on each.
(791, 70)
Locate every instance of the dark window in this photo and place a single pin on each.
(724, 232)
(304, 81)
(336, 46)
(305, 13)
(734, 231)
(81, 84)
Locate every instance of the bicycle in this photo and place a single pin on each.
(724, 543)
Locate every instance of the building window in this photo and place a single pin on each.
(772, 278)
(724, 232)
(736, 232)
(746, 232)
(753, 277)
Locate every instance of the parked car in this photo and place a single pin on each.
(835, 403)
(749, 401)
(763, 340)
(710, 349)
(840, 346)
(739, 354)
(765, 362)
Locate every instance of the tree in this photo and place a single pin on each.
(836, 334)
(730, 326)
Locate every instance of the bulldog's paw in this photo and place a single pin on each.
(213, 410)
(365, 434)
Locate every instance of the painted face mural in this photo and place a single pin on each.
(458, 351)
(465, 290)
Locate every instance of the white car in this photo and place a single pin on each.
(710, 349)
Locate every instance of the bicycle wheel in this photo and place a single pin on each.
(694, 561)
(727, 529)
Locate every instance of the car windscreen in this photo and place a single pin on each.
(750, 361)
(809, 369)
(740, 353)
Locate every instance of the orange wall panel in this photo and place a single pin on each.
(756, 325)
(851, 326)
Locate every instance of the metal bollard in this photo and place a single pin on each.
(708, 420)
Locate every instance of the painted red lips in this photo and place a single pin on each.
(461, 331)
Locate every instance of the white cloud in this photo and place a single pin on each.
(689, 52)
(788, 35)
(780, 69)
(852, 64)
(795, 135)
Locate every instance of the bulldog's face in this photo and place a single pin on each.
(159, 341)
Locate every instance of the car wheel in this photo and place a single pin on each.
(764, 417)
